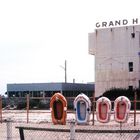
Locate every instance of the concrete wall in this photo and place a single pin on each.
(114, 48)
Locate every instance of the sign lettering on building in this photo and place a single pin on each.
(123, 22)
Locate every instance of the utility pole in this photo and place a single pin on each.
(65, 69)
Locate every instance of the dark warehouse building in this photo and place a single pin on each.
(48, 89)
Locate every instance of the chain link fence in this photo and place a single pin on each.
(26, 124)
(79, 133)
(10, 130)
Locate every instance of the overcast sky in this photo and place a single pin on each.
(36, 36)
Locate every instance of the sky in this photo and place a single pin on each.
(37, 36)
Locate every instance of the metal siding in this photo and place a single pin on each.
(50, 87)
(77, 87)
(35, 87)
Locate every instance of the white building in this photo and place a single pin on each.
(117, 57)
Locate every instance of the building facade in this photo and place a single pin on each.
(117, 57)
(49, 89)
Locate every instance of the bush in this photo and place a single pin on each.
(112, 94)
(34, 103)
(21, 104)
(44, 104)
(41, 105)
(4, 103)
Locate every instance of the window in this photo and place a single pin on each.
(130, 66)
(133, 35)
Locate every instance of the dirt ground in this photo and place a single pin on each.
(42, 119)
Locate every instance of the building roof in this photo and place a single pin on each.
(50, 87)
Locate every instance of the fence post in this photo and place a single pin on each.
(72, 130)
(27, 100)
(93, 106)
(135, 107)
(1, 109)
(21, 133)
(9, 129)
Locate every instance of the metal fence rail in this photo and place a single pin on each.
(79, 134)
